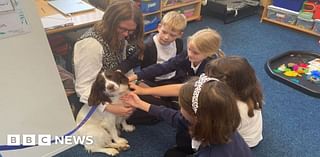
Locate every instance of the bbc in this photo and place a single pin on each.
(28, 139)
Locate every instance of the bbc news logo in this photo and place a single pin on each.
(46, 140)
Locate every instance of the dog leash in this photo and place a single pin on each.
(89, 114)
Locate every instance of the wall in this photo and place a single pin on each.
(32, 95)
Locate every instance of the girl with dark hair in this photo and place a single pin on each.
(241, 78)
(210, 114)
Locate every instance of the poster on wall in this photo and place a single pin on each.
(6, 5)
(12, 19)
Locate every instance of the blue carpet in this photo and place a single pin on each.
(145, 141)
(291, 118)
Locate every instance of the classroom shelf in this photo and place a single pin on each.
(294, 27)
(291, 26)
(178, 6)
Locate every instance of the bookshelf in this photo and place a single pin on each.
(294, 27)
(190, 8)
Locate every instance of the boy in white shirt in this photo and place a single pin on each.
(167, 43)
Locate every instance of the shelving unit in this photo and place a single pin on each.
(178, 6)
(265, 18)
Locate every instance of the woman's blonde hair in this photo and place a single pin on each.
(207, 41)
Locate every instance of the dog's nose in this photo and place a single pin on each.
(110, 87)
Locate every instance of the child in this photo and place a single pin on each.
(208, 112)
(240, 76)
(203, 46)
(165, 44)
(159, 47)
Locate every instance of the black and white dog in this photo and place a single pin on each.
(104, 126)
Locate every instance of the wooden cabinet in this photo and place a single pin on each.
(190, 8)
(265, 18)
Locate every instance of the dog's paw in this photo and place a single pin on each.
(123, 146)
(128, 128)
(119, 146)
(111, 151)
(108, 150)
(121, 141)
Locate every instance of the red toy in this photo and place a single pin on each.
(316, 14)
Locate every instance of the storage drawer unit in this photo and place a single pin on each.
(151, 23)
(305, 23)
(148, 6)
(282, 15)
(316, 27)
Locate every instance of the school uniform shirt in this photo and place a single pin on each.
(155, 53)
(151, 52)
(235, 148)
(165, 52)
(180, 63)
(250, 128)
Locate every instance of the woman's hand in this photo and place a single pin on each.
(133, 100)
(120, 109)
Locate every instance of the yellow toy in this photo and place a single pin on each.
(291, 73)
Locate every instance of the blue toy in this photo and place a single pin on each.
(314, 77)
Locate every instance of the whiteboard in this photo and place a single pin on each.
(32, 98)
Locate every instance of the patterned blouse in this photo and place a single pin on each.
(111, 60)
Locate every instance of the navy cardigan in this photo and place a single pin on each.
(180, 63)
(236, 147)
(150, 54)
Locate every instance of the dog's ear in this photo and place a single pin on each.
(108, 74)
(97, 93)
(121, 77)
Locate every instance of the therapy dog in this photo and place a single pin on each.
(104, 126)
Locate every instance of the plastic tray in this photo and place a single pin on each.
(298, 83)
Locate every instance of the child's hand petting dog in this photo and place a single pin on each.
(138, 89)
(141, 89)
(133, 100)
